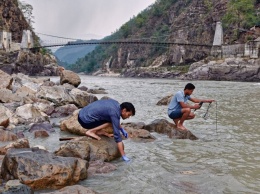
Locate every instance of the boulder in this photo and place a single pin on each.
(63, 111)
(72, 125)
(56, 94)
(228, 69)
(14, 186)
(165, 127)
(4, 119)
(82, 98)
(7, 135)
(5, 80)
(28, 113)
(165, 100)
(41, 126)
(40, 169)
(100, 167)
(20, 143)
(69, 77)
(7, 96)
(90, 149)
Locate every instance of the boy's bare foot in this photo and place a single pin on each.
(176, 121)
(181, 127)
(93, 135)
(105, 133)
(110, 135)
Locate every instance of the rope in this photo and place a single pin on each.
(206, 115)
(216, 117)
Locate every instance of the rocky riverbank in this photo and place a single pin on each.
(28, 63)
(228, 69)
(27, 104)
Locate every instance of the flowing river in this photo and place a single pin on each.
(225, 159)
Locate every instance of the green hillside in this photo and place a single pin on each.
(70, 54)
(182, 21)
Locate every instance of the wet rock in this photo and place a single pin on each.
(15, 187)
(40, 169)
(41, 126)
(73, 189)
(100, 167)
(83, 88)
(20, 143)
(96, 91)
(72, 125)
(90, 149)
(136, 132)
(165, 100)
(41, 133)
(7, 136)
(76, 148)
(165, 127)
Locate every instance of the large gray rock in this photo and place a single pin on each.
(15, 187)
(5, 80)
(7, 96)
(19, 143)
(229, 69)
(7, 135)
(40, 169)
(69, 77)
(165, 127)
(4, 119)
(56, 94)
(29, 114)
(82, 98)
(90, 149)
(72, 125)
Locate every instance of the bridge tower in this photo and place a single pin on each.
(6, 40)
(218, 41)
(27, 40)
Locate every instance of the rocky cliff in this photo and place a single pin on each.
(34, 64)
(12, 19)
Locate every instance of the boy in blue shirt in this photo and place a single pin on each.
(179, 110)
(106, 113)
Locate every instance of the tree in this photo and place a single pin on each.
(240, 14)
(27, 12)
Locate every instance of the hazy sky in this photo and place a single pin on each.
(83, 19)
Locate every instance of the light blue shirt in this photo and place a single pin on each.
(175, 101)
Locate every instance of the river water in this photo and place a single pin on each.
(225, 159)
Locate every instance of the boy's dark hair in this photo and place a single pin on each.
(128, 106)
(189, 86)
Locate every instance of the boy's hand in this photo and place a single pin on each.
(125, 158)
(124, 132)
